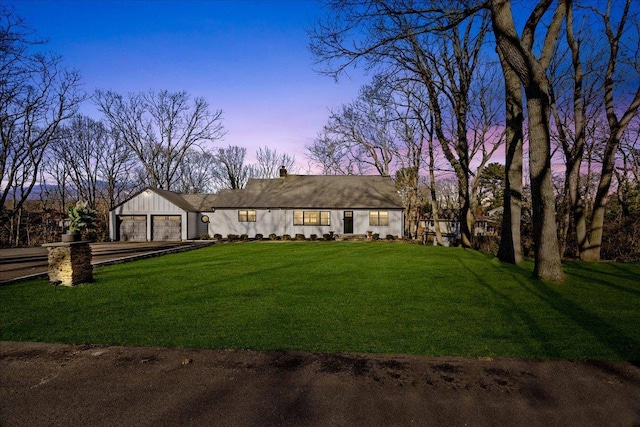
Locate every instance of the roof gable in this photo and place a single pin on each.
(175, 198)
(170, 196)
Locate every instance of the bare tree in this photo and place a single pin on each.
(618, 119)
(118, 168)
(406, 38)
(160, 127)
(364, 128)
(411, 129)
(231, 171)
(510, 248)
(382, 44)
(269, 162)
(198, 172)
(627, 172)
(36, 95)
(101, 170)
(87, 140)
(54, 185)
(333, 156)
(433, 192)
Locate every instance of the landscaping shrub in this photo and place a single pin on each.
(204, 236)
(487, 244)
(272, 236)
(232, 237)
(390, 237)
(326, 236)
(286, 237)
(313, 237)
(300, 236)
(375, 236)
(217, 236)
(259, 236)
(244, 237)
(90, 235)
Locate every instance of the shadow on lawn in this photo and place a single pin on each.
(511, 308)
(587, 271)
(623, 346)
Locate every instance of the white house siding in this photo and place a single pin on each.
(190, 228)
(225, 222)
(201, 227)
(361, 223)
(280, 222)
(148, 201)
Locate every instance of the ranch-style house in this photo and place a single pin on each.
(290, 204)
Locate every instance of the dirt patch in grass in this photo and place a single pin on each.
(55, 384)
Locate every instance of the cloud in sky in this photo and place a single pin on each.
(247, 58)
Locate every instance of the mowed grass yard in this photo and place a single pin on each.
(338, 297)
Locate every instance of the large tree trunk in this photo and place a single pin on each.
(531, 72)
(573, 151)
(548, 264)
(590, 244)
(466, 216)
(432, 187)
(510, 249)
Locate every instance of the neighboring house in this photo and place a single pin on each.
(291, 204)
(450, 226)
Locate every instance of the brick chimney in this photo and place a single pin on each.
(283, 172)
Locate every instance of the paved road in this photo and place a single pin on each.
(86, 385)
(19, 263)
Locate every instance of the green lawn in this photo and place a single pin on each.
(333, 296)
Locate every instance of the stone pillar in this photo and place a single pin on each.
(70, 263)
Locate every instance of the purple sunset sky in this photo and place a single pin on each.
(247, 58)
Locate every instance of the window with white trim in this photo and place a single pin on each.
(378, 218)
(311, 218)
(247, 216)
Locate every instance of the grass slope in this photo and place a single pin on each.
(346, 297)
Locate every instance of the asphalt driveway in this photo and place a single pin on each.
(23, 263)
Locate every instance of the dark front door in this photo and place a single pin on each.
(348, 222)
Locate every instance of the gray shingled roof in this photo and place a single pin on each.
(297, 191)
(309, 191)
(200, 202)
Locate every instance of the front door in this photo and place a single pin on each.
(348, 222)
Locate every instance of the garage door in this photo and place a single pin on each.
(167, 228)
(132, 228)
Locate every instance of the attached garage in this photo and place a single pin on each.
(166, 228)
(132, 228)
(155, 215)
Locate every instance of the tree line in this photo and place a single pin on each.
(555, 84)
(52, 155)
